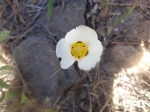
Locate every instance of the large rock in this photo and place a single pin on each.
(63, 19)
(40, 71)
(35, 54)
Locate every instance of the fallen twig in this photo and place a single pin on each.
(21, 19)
(128, 43)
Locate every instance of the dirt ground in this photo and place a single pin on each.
(119, 83)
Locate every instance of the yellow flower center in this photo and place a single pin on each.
(79, 49)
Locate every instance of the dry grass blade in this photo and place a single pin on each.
(16, 12)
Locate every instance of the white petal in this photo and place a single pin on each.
(63, 52)
(81, 33)
(95, 49)
(88, 62)
(67, 62)
(62, 49)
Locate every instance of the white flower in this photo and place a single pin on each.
(80, 44)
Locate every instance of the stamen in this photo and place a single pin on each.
(79, 49)
(87, 53)
(79, 42)
(72, 54)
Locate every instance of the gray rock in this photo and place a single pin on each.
(71, 16)
(40, 71)
(36, 58)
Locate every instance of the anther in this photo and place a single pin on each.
(72, 54)
(79, 49)
(87, 53)
(79, 42)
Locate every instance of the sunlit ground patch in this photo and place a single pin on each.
(6, 76)
(132, 87)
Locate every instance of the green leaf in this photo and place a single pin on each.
(24, 99)
(11, 95)
(50, 7)
(110, 29)
(120, 20)
(4, 35)
(47, 110)
(3, 84)
(7, 67)
(123, 17)
(90, 110)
